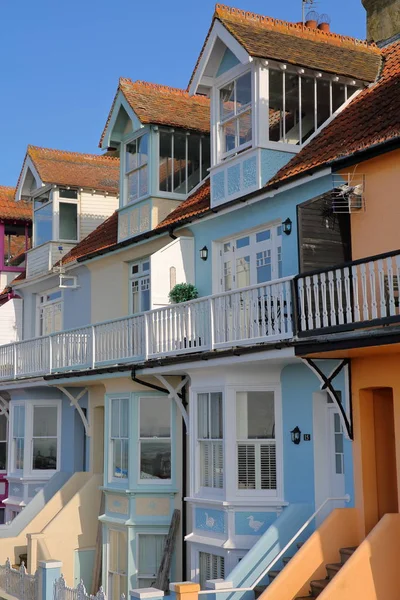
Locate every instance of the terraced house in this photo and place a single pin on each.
(263, 411)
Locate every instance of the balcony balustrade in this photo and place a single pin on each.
(252, 315)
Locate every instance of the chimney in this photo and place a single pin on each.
(324, 23)
(383, 19)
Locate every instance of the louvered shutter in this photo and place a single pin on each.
(246, 467)
(211, 566)
(205, 462)
(218, 465)
(268, 466)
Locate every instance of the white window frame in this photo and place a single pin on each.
(48, 303)
(157, 482)
(50, 201)
(202, 441)
(28, 470)
(276, 495)
(140, 576)
(235, 117)
(141, 278)
(60, 200)
(135, 138)
(118, 530)
(111, 476)
(252, 249)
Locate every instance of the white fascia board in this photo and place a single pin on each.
(217, 31)
(28, 165)
(120, 101)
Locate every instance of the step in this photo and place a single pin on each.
(286, 559)
(318, 586)
(272, 574)
(345, 553)
(333, 569)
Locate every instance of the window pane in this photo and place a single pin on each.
(3, 456)
(245, 130)
(202, 415)
(120, 458)
(133, 192)
(205, 155)
(264, 266)
(243, 271)
(115, 417)
(351, 89)
(44, 421)
(229, 136)
(262, 236)
(68, 223)
(155, 417)
(179, 163)
(194, 142)
(131, 156)
(165, 166)
(19, 421)
(143, 149)
(124, 418)
(143, 181)
(43, 224)
(307, 107)
(44, 453)
(216, 415)
(243, 242)
(155, 460)
(227, 276)
(243, 91)
(227, 103)
(292, 135)
(3, 428)
(338, 95)
(255, 415)
(71, 194)
(19, 453)
(275, 106)
(323, 101)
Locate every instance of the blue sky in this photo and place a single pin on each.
(60, 60)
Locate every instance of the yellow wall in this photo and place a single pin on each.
(339, 530)
(372, 573)
(376, 230)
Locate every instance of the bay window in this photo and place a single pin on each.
(49, 312)
(210, 439)
(184, 159)
(256, 445)
(119, 437)
(155, 438)
(136, 171)
(140, 286)
(235, 117)
(117, 563)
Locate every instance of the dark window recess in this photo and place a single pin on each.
(324, 236)
(71, 194)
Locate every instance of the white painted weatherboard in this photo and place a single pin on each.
(173, 263)
(94, 209)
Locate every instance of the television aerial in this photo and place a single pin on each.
(306, 5)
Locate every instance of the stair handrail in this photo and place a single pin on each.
(227, 589)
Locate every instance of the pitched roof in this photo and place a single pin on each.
(371, 118)
(75, 169)
(195, 205)
(164, 105)
(104, 236)
(10, 209)
(265, 37)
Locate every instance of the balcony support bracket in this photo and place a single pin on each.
(326, 384)
(75, 402)
(174, 395)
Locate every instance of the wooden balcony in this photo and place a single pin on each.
(253, 315)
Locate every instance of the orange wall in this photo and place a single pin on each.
(376, 229)
(368, 373)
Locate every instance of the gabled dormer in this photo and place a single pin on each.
(162, 134)
(70, 195)
(273, 86)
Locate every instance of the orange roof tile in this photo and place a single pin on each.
(104, 236)
(75, 169)
(164, 105)
(371, 118)
(195, 205)
(265, 37)
(10, 209)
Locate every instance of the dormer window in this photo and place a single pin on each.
(136, 159)
(184, 159)
(235, 100)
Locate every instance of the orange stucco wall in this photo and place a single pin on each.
(375, 380)
(376, 229)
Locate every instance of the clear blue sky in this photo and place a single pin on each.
(60, 60)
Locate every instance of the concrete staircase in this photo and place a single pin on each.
(317, 586)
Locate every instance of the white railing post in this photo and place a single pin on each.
(93, 336)
(147, 348)
(15, 361)
(50, 354)
(211, 321)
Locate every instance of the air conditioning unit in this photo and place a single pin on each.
(348, 194)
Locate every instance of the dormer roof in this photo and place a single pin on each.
(74, 169)
(163, 105)
(12, 210)
(292, 43)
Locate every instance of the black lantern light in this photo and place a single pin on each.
(296, 435)
(287, 226)
(204, 253)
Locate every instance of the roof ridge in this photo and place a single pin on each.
(9, 188)
(160, 87)
(290, 27)
(73, 153)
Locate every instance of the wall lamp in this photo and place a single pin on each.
(204, 253)
(287, 226)
(295, 434)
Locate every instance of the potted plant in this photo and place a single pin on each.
(183, 292)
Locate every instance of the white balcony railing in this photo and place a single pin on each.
(252, 315)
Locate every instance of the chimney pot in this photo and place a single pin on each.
(311, 24)
(324, 27)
